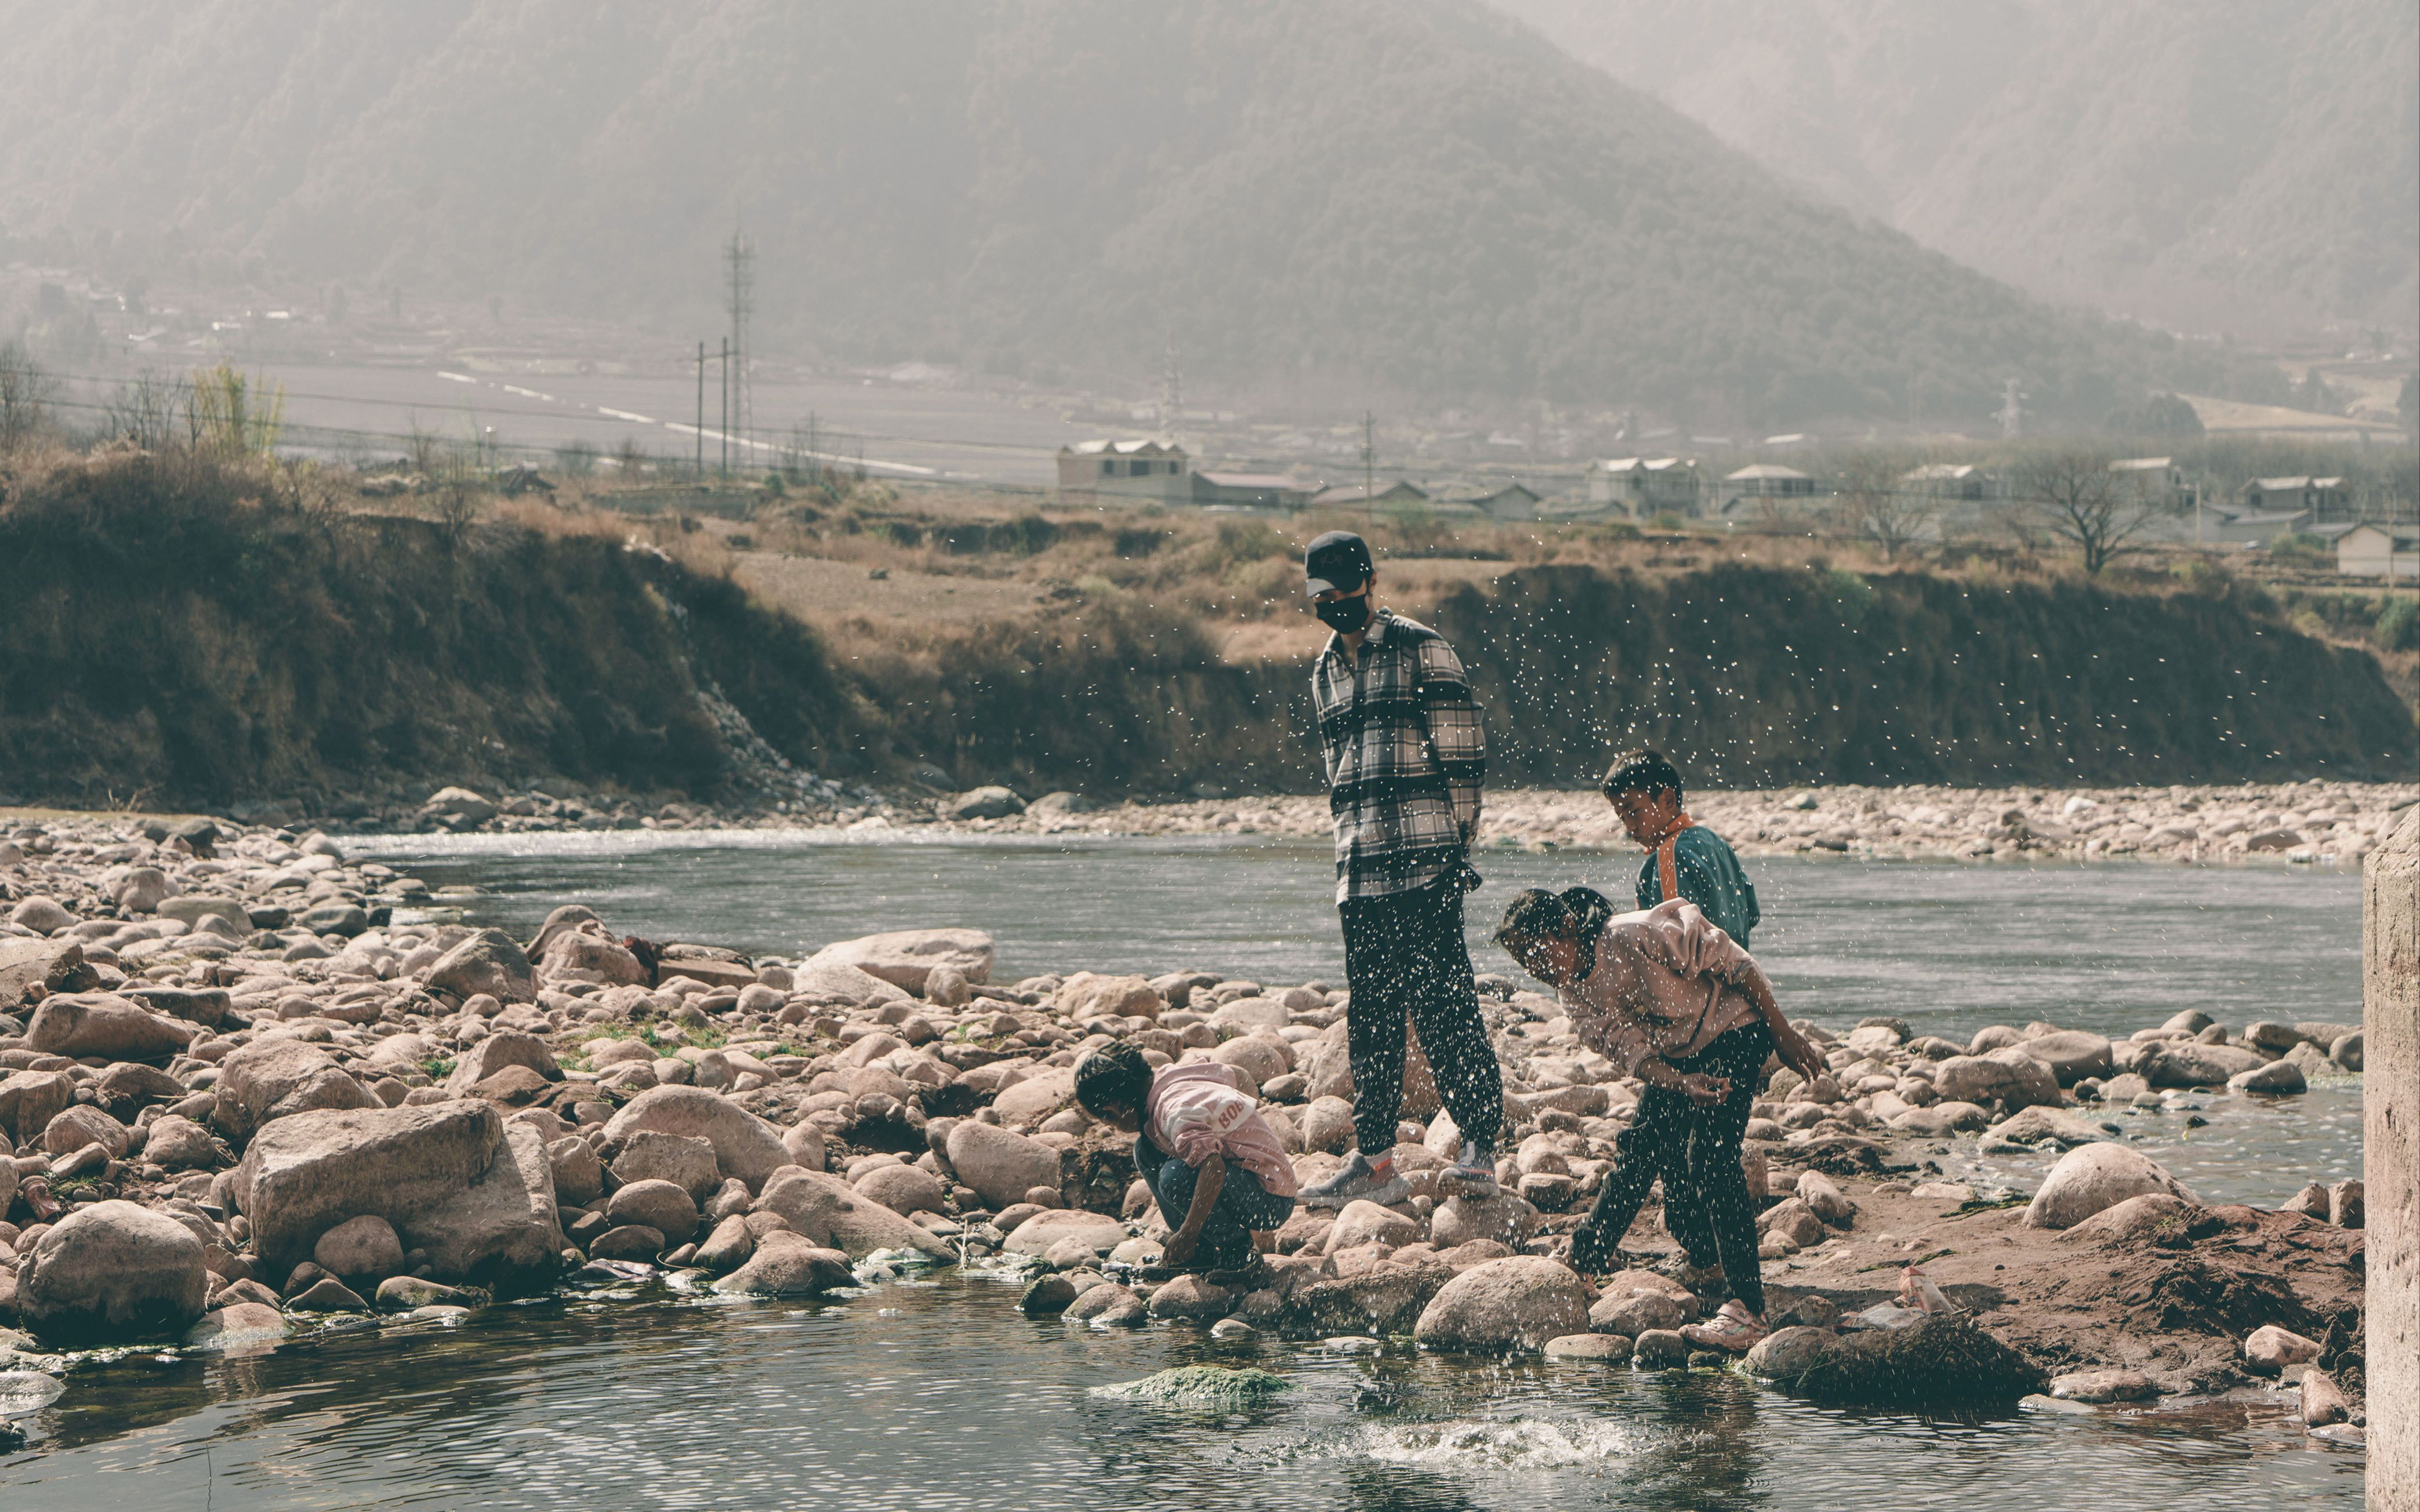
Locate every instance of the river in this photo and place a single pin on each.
(937, 1394)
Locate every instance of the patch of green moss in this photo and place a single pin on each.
(1201, 1385)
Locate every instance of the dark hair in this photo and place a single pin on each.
(1576, 913)
(1640, 771)
(1113, 1076)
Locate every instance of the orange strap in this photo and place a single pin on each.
(1666, 871)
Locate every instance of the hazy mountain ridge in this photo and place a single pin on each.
(2239, 164)
(1412, 199)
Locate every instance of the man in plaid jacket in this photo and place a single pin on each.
(1405, 752)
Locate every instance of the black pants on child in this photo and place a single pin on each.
(1244, 1206)
(1405, 961)
(1695, 1150)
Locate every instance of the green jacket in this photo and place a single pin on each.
(1710, 876)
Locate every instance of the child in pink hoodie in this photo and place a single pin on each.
(1673, 1001)
(1213, 1165)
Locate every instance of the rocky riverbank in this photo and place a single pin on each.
(2293, 823)
(246, 1089)
(2335, 823)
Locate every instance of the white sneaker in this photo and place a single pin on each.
(1472, 1176)
(1733, 1330)
(1357, 1182)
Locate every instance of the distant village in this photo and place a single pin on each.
(1953, 499)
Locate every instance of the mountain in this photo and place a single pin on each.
(1396, 197)
(2245, 166)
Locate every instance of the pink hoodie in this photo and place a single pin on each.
(1668, 982)
(1200, 1110)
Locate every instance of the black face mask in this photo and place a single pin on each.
(1344, 615)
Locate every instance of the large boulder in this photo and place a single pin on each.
(1636, 1301)
(2090, 1177)
(991, 802)
(1037, 1097)
(832, 1213)
(834, 981)
(451, 1177)
(1000, 1163)
(656, 1204)
(684, 1160)
(459, 808)
(76, 1025)
(1089, 996)
(364, 1246)
(905, 958)
(1935, 1362)
(29, 1099)
(1044, 1230)
(1517, 1302)
(275, 1078)
(905, 1189)
(2137, 1221)
(745, 1146)
(53, 966)
(109, 1273)
(497, 1051)
(178, 1144)
(1326, 1067)
(797, 1269)
(1384, 1302)
(1504, 1218)
(2070, 1054)
(1790, 1354)
(85, 1124)
(2059, 1126)
(2009, 1076)
(193, 908)
(487, 962)
(587, 953)
(2191, 1063)
(1362, 1221)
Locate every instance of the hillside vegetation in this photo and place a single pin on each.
(2241, 165)
(1365, 197)
(186, 632)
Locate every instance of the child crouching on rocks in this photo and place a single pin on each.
(1676, 1003)
(1215, 1165)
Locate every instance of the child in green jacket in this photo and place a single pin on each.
(1684, 858)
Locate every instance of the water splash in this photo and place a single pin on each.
(1515, 1443)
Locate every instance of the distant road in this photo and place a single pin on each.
(900, 431)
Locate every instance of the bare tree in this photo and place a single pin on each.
(24, 392)
(2076, 496)
(150, 410)
(1877, 505)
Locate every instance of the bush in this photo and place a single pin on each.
(2398, 623)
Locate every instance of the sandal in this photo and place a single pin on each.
(1733, 1330)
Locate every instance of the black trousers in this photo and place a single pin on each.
(1406, 962)
(1696, 1152)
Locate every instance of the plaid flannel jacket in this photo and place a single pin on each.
(1406, 753)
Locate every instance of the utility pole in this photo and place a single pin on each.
(725, 430)
(701, 410)
(740, 279)
(1369, 464)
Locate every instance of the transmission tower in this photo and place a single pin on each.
(739, 288)
(1171, 390)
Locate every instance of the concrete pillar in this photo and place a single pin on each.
(2390, 1097)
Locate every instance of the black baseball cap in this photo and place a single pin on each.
(1339, 559)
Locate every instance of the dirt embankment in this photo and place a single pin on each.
(184, 634)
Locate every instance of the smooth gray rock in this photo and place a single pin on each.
(112, 1272)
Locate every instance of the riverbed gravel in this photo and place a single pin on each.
(251, 1084)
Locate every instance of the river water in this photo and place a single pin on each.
(937, 1394)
